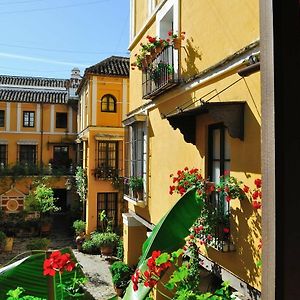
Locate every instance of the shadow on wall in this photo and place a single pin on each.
(192, 55)
(246, 233)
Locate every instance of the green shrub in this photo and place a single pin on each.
(105, 239)
(79, 226)
(16, 294)
(121, 274)
(89, 247)
(38, 244)
(120, 249)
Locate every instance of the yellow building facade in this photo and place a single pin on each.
(103, 105)
(197, 106)
(38, 123)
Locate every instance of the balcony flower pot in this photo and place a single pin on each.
(177, 43)
(148, 59)
(158, 49)
(144, 63)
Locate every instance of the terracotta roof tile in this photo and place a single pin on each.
(25, 95)
(33, 81)
(112, 66)
(33, 89)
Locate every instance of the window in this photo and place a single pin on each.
(218, 162)
(61, 156)
(2, 118)
(219, 151)
(109, 203)
(27, 154)
(108, 103)
(3, 155)
(136, 152)
(61, 120)
(28, 119)
(107, 159)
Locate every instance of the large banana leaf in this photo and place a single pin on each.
(168, 235)
(28, 273)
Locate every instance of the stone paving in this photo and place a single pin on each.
(95, 267)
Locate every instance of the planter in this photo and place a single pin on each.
(177, 43)
(148, 59)
(46, 228)
(138, 195)
(106, 250)
(9, 244)
(158, 49)
(119, 291)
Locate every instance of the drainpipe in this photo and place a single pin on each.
(42, 136)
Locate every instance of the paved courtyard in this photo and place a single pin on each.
(95, 267)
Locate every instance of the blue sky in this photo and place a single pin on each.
(49, 37)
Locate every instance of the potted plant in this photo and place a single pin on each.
(106, 241)
(121, 275)
(176, 38)
(79, 227)
(136, 184)
(38, 244)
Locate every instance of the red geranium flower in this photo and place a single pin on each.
(246, 189)
(257, 182)
(256, 204)
(226, 230)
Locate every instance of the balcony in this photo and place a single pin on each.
(160, 74)
(134, 190)
(105, 172)
(30, 169)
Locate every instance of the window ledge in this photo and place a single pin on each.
(136, 202)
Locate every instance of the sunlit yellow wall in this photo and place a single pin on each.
(43, 136)
(103, 123)
(214, 30)
(44, 149)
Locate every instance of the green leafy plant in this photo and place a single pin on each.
(160, 70)
(79, 226)
(105, 239)
(41, 199)
(90, 247)
(105, 222)
(136, 183)
(181, 280)
(121, 274)
(38, 244)
(16, 294)
(120, 249)
(81, 183)
(57, 264)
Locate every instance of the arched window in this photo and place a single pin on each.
(108, 103)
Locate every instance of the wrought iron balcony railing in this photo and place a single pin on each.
(105, 172)
(161, 74)
(27, 169)
(219, 217)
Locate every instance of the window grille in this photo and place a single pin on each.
(28, 119)
(108, 103)
(109, 203)
(2, 118)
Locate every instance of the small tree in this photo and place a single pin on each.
(42, 199)
(81, 186)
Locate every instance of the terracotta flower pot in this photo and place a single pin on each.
(176, 43)
(106, 250)
(9, 244)
(119, 291)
